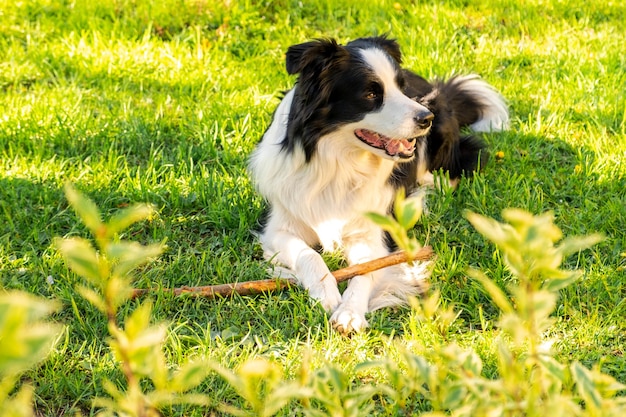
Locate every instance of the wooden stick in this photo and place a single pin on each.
(265, 285)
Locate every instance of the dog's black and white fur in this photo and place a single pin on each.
(354, 129)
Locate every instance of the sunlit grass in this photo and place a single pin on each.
(161, 102)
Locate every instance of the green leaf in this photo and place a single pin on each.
(496, 294)
(568, 278)
(337, 378)
(524, 221)
(408, 210)
(386, 222)
(113, 391)
(573, 245)
(151, 337)
(93, 297)
(282, 395)
(395, 230)
(19, 405)
(554, 368)
(138, 321)
(140, 345)
(161, 398)
(586, 386)
(234, 380)
(408, 216)
(130, 255)
(540, 303)
(190, 375)
(260, 369)
(33, 307)
(493, 230)
(82, 259)
(24, 338)
(126, 217)
(118, 290)
(473, 364)
(453, 396)
(86, 210)
(595, 385)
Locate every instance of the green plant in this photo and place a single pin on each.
(530, 381)
(333, 392)
(262, 385)
(448, 378)
(326, 391)
(407, 211)
(162, 102)
(25, 339)
(138, 345)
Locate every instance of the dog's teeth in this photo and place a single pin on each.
(395, 148)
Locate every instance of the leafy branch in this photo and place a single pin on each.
(25, 339)
(138, 345)
(407, 211)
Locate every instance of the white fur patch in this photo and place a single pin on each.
(396, 119)
(496, 116)
(323, 200)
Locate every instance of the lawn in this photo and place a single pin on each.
(162, 102)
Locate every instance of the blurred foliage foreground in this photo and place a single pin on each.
(450, 380)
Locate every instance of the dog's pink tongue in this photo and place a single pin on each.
(398, 146)
(373, 138)
(393, 147)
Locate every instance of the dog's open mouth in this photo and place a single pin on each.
(403, 148)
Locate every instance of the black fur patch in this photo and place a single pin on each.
(332, 90)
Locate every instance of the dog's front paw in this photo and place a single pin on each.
(346, 320)
(327, 295)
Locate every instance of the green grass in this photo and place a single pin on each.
(162, 102)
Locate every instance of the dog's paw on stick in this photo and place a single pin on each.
(281, 282)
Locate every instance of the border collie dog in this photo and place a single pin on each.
(354, 129)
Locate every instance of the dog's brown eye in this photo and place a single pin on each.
(371, 95)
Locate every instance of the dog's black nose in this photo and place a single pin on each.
(424, 119)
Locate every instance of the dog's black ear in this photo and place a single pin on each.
(311, 53)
